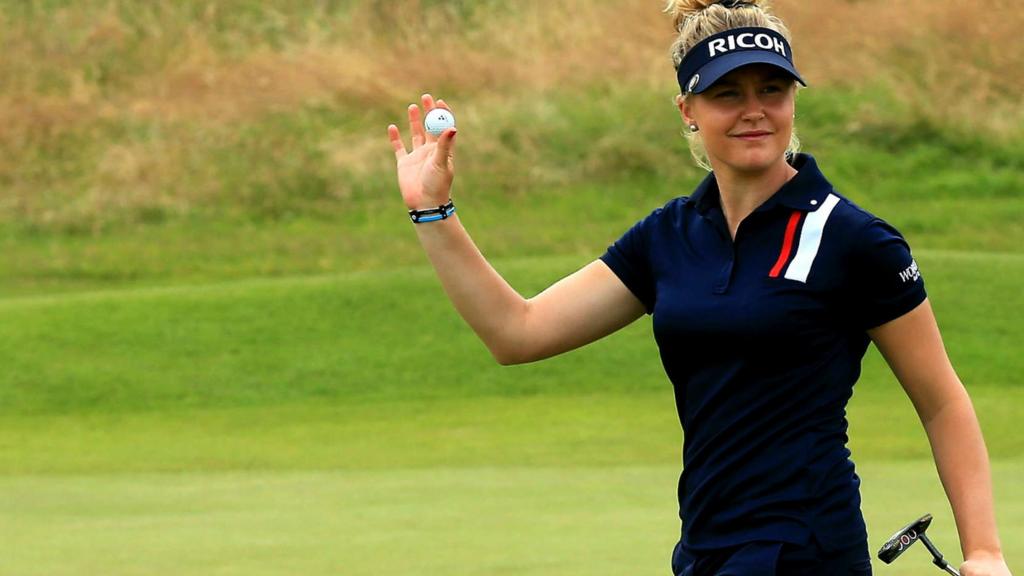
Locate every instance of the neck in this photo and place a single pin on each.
(741, 192)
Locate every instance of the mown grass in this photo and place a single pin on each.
(441, 521)
(373, 371)
(367, 336)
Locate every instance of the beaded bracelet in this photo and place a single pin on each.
(433, 214)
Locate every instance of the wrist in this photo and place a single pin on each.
(432, 214)
(428, 204)
(984, 554)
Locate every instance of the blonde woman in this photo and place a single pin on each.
(766, 287)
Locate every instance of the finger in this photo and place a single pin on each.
(416, 127)
(428, 104)
(442, 104)
(445, 152)
(396, 141)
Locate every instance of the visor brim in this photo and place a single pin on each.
(714, 70)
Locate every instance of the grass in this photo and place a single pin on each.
(223, 353)
(242, 210)
(127, 123)
(324, 338)
(566, 429)
(439, 521)
(244, 427)
(185, 144)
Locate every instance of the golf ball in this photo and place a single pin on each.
(438, 120)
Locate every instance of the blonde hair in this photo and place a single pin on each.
(696, 20)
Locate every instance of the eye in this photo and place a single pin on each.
(777, 87)
(726, 94)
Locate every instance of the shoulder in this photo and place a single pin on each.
(850, 216)
(826, 206)
(858, 227)
(666, 216)
(673, 207)
(874, 250)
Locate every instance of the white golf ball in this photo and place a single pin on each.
(438, 120)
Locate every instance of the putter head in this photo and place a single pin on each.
(904, 539)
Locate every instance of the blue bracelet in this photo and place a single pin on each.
(433, 214)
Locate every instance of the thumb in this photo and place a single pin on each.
(445, 148)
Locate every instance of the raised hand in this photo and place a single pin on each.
(424, 175)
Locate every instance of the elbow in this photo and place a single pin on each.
(505, 360)
(511, 351)
(520, 355)
(508, 357)
(511, 344)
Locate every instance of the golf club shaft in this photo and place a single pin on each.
(937, 556)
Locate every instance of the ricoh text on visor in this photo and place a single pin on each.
(724, 52)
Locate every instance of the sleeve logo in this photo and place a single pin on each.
(911, 274)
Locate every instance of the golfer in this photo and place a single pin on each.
(766, 286)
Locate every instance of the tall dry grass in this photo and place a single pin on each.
(101, 60)
(952, 62)
(105, 105)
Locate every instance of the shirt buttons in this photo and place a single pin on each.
(814, 202)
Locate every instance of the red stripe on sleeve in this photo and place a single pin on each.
(787, 244)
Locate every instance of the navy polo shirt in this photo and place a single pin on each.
(762, 338)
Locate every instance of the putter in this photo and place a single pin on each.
(906, 537)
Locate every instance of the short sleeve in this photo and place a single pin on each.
(886, 281)
(630, 259)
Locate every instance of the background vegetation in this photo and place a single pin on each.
(223, 352)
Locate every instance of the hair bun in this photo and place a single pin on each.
(683, 9)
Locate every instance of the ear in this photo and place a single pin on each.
(685, 106)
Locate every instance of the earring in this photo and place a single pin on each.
(694, 128)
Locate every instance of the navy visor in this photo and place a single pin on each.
(724, 52)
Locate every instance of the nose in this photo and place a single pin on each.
(752, 107)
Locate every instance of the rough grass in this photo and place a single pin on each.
(278, 197)
(123, 114)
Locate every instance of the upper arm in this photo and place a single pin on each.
(912, 346)
(581, 308)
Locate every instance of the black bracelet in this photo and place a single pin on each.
(432, 214)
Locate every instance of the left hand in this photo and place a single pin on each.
(989, 566)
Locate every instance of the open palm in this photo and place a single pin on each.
(424, 175)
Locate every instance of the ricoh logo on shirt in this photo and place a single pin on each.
(911, 274)
(746, 40)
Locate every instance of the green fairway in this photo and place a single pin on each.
(386, 336)
(353, 425)
(443, 521)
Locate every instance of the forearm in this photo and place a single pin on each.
(492, 308)
(963, 466)
(579, 309)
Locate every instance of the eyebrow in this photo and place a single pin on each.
(770, 77)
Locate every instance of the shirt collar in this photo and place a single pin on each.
(806, 191)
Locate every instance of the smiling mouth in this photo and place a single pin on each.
(752, 135)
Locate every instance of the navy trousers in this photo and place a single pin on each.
(773, 559)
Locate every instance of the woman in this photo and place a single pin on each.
(766, 287)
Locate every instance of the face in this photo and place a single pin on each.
(745, 119)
